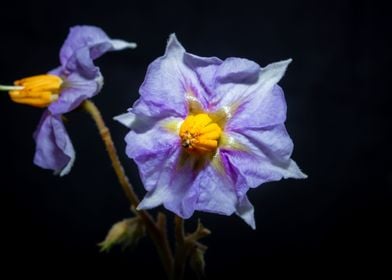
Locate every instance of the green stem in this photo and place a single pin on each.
(157, 232)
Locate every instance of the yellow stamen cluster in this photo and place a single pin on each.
(38, 91)
(199, 134)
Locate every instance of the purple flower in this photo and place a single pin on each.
(204, 131)
(62, 90)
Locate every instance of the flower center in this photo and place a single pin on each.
(38, 91)
(199, 134)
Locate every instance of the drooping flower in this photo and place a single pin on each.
(204, 131)
(62, 90)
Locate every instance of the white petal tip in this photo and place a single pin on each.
(126, 119)
(121, 44)
(174, 45)
(172, 36)
(246, 211)
(66, 169)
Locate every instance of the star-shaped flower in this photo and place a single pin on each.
(204, 131)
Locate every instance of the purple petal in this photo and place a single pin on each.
(266, 159)
(255, 84)
(205, 69)
(54, 149)
(167, 84)
(214, 73)
(83, 45)
(258, 111)
(148, 143)
(216, 192)
(173, 185)
(74, 91)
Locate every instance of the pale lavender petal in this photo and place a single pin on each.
(74, 91)
(237, 71)
(167, 84)
(253, 86)
(54, 149)
(259, 111)
(173, 184)
(205, 69)
(246, 211)
(214, 73)
(83, 45)
(266, 158)
(149, 143)
(58, 71)
(258, 148)
(216, 192)
(126, 119)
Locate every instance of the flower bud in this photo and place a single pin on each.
(125, 233)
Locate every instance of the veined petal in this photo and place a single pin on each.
(83, 45)
(259, 111)
(54, 148)
(149, 143)
(254, 84)
(205, 69)
(173, 185)
(167, 85)
(250, 147)
(216, 191)
(75, 90)
(257, 101)
(266, 159)
(213, 73)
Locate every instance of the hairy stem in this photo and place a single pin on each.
(157, 232)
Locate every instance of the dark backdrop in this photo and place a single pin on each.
(338, 117)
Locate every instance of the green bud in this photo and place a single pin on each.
(125, 233)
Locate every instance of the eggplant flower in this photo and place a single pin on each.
(62, 90)
(204, 131)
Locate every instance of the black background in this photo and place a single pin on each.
(338, 117)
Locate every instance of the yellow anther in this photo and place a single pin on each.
(38, 91)
(199, 134)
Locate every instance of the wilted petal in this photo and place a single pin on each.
(83, 45)
(54, 149)
(75, 90)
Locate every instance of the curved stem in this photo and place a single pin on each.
(90, 107)
(157, 232)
